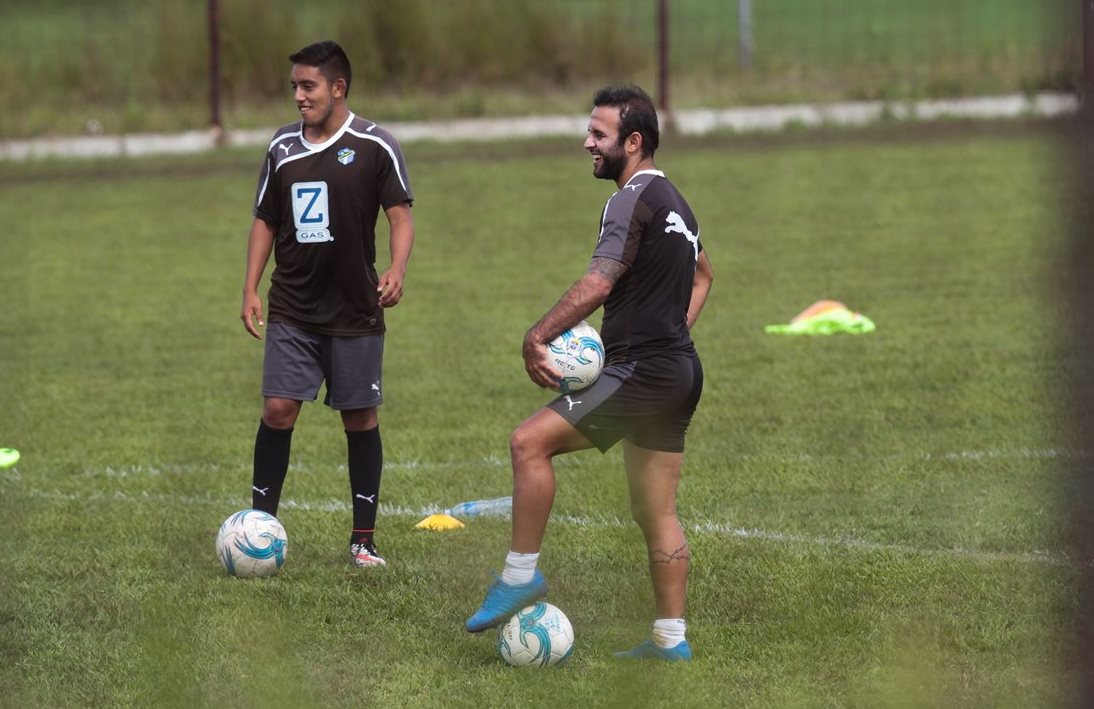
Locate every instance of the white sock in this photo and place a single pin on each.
(669, 632)
(519, 568)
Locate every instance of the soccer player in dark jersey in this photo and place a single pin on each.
(324, 181)
(652, 276)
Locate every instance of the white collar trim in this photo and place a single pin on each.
(657, 173)
(316, 147)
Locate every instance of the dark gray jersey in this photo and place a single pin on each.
(322, 202)
(648, 226)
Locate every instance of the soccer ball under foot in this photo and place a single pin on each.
(538, 635)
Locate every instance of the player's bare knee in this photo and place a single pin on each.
(526, 444)
(520, 444)
(360, 419)
(279, 421)
(280, 413)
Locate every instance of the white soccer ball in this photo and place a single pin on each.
(538, 635)
(252, 543)
(579, 355)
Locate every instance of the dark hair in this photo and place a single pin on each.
(328, 57)
(636, 114)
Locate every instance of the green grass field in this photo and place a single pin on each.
(873, 519)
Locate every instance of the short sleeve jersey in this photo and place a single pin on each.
(648, 226)
(322, 201)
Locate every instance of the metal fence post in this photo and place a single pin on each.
(663, 59)
(214, 71)
(744, 33)
(1088, 47)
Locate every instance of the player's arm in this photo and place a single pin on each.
(700, 287)
(259, 246)
(582, 298)
(401, 241)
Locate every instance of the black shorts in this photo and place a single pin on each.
(648, 402)
(298, 361)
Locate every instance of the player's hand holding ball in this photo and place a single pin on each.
(568, 363)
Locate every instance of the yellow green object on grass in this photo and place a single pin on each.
(825, 317)
(440, 523)
(8, 457)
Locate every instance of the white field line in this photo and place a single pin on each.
(693, 122)
(1003, 454)
(412, 465)
(493, 462)
(709, 527)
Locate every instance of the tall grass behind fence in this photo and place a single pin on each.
(124, 65)
(875, 49)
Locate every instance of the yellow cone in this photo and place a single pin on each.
(439, 523)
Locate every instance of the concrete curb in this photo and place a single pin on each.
(690, 122)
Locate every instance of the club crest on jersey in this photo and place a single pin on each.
(346, 155)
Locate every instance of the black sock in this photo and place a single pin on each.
(271, 463)
(366, 461)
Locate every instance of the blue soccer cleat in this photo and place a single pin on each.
(648, 651)
(504, 600)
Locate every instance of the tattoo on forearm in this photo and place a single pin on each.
(660, 556)
(609, 268)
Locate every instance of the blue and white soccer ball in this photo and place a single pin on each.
(252, 543)
(538, 635)
(579, 355)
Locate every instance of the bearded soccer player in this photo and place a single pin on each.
(652, 276)
(322, 186)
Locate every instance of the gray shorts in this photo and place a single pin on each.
(648, 402)
(297, 362)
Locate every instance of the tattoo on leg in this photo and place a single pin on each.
(659, 556)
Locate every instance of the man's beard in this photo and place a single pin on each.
(611, 165)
